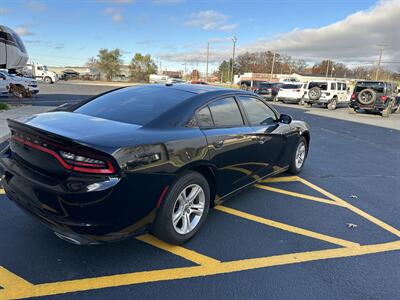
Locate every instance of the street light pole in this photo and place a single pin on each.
(234, 40)
(208, 54)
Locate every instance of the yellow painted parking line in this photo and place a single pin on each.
(10, 281)
(298, 195)
(86, 284)
(281, 179)
(193, 256)
(352, 208)
(287, 227)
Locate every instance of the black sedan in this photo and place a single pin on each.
(146, 158)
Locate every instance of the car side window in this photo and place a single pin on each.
(339, 86)
(226, 113)
(333, 86)
(257, 111)
(344, 87)
(2, 76)
(204, 117)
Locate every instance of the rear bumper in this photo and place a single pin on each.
(125, 208)
(374, 107)
(289, 99)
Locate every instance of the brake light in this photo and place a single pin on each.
(71, 161)
(384, 98)
(353, 96)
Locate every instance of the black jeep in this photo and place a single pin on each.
(374, 96)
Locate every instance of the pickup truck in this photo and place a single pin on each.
(17, 85)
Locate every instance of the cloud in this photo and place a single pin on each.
(166, 2)
(23, 31)
(115, 14)
(353, 39)
(116, 1)
(5, 11)
(36, 6)
(210, 20)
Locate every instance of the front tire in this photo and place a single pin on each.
(48, 80)
(184, 209)
(299, 156)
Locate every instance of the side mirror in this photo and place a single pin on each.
(285, 119)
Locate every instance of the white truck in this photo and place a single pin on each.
(17, 85)
(13, 54)
(40, 72)
(155, 78)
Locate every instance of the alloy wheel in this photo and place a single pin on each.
(188, 209)
(300, 155)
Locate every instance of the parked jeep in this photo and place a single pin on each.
(374, 96)
(329, 93)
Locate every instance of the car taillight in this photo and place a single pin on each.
(353, 96)
(384, 98)
(70, 161)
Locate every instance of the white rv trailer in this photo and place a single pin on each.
(13, 54)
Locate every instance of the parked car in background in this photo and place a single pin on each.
(267, 90)
(375, 96)
(329, 93)
(69, 74)
(199, 82)
(125, 162)
(291, 92)
(17, 85)
(155, 78)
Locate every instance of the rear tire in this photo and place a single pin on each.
(189, 212)
(299, 156)
(333, 104)
(387, 111)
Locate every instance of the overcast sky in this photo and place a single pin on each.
(69, 32)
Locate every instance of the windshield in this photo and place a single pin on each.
(263, 85)
(290, 86)
(376, 86)
(322, 85)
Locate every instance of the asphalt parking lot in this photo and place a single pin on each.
(333, 232)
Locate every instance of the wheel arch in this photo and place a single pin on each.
(209, 173)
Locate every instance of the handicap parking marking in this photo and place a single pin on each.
(287, 227)
(17, 287)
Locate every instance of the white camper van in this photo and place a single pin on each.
(13, 54)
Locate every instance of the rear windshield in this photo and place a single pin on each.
(137, 105)
(291, 86)
(322, 85)
(376, 86)
(264, 85)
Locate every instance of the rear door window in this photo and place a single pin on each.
(333, 86)
(225, 113)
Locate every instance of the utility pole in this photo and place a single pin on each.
(327, 68)
(273, 65)
(232, 77)
(184, 75)
(208, 54)
(381, 46)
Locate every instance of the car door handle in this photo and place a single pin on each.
(218, 144)
(261, 139)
